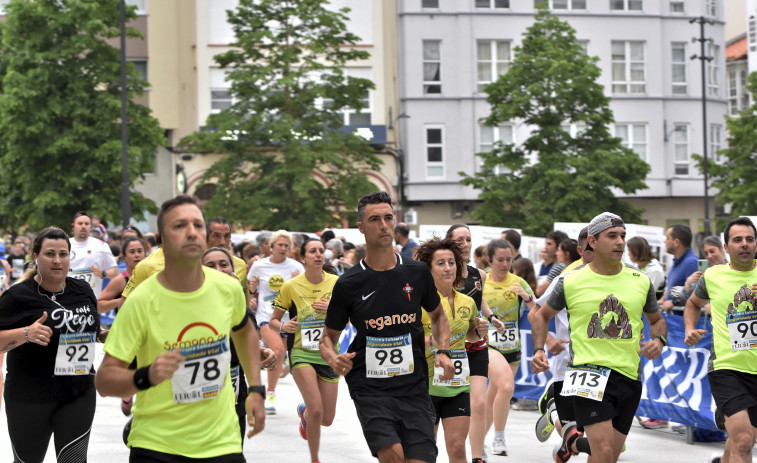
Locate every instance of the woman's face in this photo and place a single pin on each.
(280, 247)
(219, 261)
(53, 259)
(501, 262)
(463, 238)
(560, 255)
(134, 254)
(443, 267)
(315, 255)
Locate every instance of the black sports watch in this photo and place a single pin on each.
(493, 315)
(259, 389)
(662, 339)
(443, 351)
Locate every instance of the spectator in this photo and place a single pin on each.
(514, 238)
(402, 237)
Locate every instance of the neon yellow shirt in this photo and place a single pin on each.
(154, 320)
(504, 302)
(154, 263)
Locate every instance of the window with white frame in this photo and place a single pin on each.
(715, 141)
(733, 92)
(752, 34)
(713, 51)
(633, 136)
(434, 151)
(743, 92)
(493, 57)
(140, 4)
(678, 63)
(573, 129)
(681, 147)
(492, 3)
(432, 66)
(351, 116)
(628, 67)
(711, 8)
(141, 67)
(491, 135)
(562, 4)
(676, 6)
(626, 5)
(220, 91)
(430, 4)
(584, 44)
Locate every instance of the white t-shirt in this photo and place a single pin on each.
(272, 277)
(86, 254)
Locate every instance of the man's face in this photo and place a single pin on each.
(377, 224)
(184, 233)
(741, 245)
(610, 244)
(715, 255)
(670, 243)
(220, 236)
(18, 246)
(82, 227)
(550, 249)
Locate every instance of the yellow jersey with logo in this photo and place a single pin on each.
(153, 263)
(504, 303)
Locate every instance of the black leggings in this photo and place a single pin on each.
(30, 426)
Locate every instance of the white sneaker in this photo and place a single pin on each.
(499, 447)
(484, 456)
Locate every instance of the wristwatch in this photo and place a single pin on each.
(259, 389)
(493, 315)
(443, 351)
(662, 339)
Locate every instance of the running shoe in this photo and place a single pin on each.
(499, 447)
(549, 394)
(477, 460)
(270, 407)
(715, 459)
(126, 406)
(651, 423)
(562, 451)
(484, 452)
(287, 367)
(303, 422)
(544, 425)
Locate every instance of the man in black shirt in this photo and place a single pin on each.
(385, 366)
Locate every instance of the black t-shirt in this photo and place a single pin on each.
(31, 366)
(384, 304)
(473, 286)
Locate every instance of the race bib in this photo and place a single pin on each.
(76, 353)
(387, 357)
(235, 381)
(203, 373)
(742, 326)
(310, 333)
(84, 274)
(508, 340)
(462, 370)
(587, 381)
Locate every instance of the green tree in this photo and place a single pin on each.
(734, 176)
(287, 164)
(550, 85)
(60, 103)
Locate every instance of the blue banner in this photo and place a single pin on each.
(528, 385)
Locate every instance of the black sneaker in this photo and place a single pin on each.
(549, 394)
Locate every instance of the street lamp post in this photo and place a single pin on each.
(125, 200)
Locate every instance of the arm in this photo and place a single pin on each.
(441, 331)
(111, 298)
(340, 363)
(36, 333)
(539, 327)
(486, 312)
(690, 317)
(657, 327)
(247, 348)
(114, 379)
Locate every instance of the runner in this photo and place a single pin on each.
(306, 299)
(605, 301)
(91, 258)
(219, 236)
(733, 360)
(185, 400)
(266, 278)
(503, 291)
(385, 369)
(451, 398)
(49, 323)
(478, 355)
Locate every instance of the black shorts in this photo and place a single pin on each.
(408, 420)
(478, 362)
(512, 357)
(450, 407)
(619, 404)
(139, 455)
(324, 372)
(564, 405)
(734, 391)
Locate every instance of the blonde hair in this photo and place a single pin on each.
(280, 234)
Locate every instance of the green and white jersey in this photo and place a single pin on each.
(734, 317)
(604, 313)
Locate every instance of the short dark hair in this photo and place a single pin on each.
(570, 246)
(681, 233)
(454, 227)
(639, 247)
(402, 230)
(493, 245)
(425, 253)
(738, 221)
(557, 236)
(377, 197)
(513, 237)
(327, 235)
(220, 220)
(583, 239)
(170, 204)
(49, 233)
(304, 245)
(130, 240)
(152, 239)
(79, 214)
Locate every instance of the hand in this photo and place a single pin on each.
(268, 358)
(255, 413)
(295, 273)
(342, 363)
(443, 361)
(518, 289)
(555, 346)
(38, 333)
(539, 362)
(693, 278)
(694, 336)
(291, 326)
(96, 271)
(651, 349)
(321, 305)
(253, 283)
(164, 366)
(252, 303)
(482, 326)
(667, 305)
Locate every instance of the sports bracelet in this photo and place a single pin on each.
(26, 333)
(539, 348)
(142, 378)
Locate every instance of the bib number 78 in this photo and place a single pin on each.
(210, 370)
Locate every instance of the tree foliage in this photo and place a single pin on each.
(287, 164)
(553, 176)
(60, 107)
(734, 175)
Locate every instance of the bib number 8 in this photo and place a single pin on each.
(395, 356)
(458, 364)
(71, 352)
(209, 367)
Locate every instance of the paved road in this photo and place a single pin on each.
(343, 441)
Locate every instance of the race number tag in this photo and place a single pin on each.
(76, 352)
(462, 370)
(84, 274)
(310, 333)
(508, 340)
(235, 381)
(587, 381)
(742, 326)
(203, 373)
(387, 357)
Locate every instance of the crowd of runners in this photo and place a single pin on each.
(189, 321)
